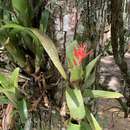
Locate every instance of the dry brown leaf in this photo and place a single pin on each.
(7, 121)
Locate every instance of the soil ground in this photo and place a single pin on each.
(111, 116)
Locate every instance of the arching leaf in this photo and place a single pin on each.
(46, 42)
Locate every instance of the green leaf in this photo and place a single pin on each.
(44, 20)
(20, 5)
(69, 53)
(90, 81)
(50, 49)
(73, 127)
(85, 126)
(15, 52)
(4, 100)
(14, 26)
(23, 111)
(101, 94)
(14, 78)
(92, 121)
(22, 10)
(7, 86)
(10, 95)
(3, 81)
(90, 67)
(82, 126)
(76, 73)
(75, 103)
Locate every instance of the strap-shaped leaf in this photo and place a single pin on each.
(3, 81)
(14, 77)
(23, 111)
(20, 5)
(85, 126)
(91, 119)
(4, 100)
(74, 127)
(81, 126)
(69, 53)
(90, 67)
(8, 86)
(50, 49)
(10, 95)
(101, 94)
(75, 103)
(44, 20)
(90, 81)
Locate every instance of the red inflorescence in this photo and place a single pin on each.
(80, 53)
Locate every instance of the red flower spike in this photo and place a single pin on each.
(80, 53)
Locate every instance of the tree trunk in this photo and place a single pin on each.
(118, 44)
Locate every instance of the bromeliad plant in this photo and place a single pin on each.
(82, 77)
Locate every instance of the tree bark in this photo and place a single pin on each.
(118, 44)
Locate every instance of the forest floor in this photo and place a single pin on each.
(111, 116)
